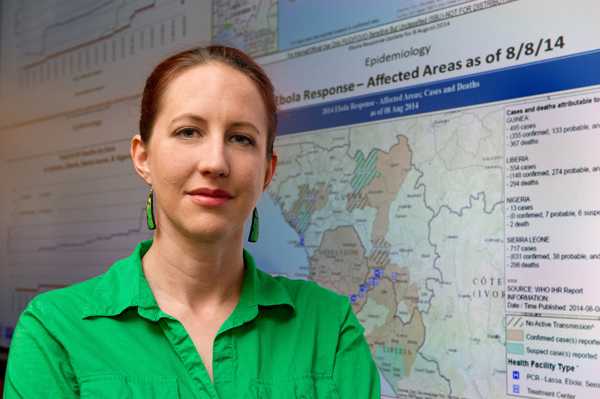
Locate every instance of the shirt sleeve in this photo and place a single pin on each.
(38, 365)
(354, 372)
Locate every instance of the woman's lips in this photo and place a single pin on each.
(209, 197)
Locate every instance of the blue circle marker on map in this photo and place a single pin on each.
(353, 298)
(363, 288)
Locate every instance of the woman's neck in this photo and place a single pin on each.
(190, 276)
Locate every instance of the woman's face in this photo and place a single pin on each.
(206, 159)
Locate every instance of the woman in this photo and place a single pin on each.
(188, 314)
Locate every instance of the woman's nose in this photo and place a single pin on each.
(213, 157)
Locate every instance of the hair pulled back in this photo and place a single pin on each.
(165, 72)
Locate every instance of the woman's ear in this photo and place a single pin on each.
(271, 166)
(139, 156)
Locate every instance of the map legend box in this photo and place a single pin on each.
(559, 359)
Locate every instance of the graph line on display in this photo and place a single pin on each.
(137, 229)
(68, 21)
(107, 34)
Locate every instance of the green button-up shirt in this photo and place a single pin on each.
(107, 338)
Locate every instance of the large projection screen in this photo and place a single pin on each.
(437, 165)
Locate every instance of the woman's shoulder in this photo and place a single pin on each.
(80, 299)
(68, 301)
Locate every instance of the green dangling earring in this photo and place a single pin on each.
(150, 211)
(254, 227)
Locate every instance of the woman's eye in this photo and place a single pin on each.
(242, 139)
(186, 132)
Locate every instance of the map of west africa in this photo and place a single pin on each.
(405, 218)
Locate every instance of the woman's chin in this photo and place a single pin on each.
(213, 232)
(205, 227)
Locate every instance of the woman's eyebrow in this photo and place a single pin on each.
(188, 117)
(243, 124)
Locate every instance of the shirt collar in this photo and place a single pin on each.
(124, 285)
